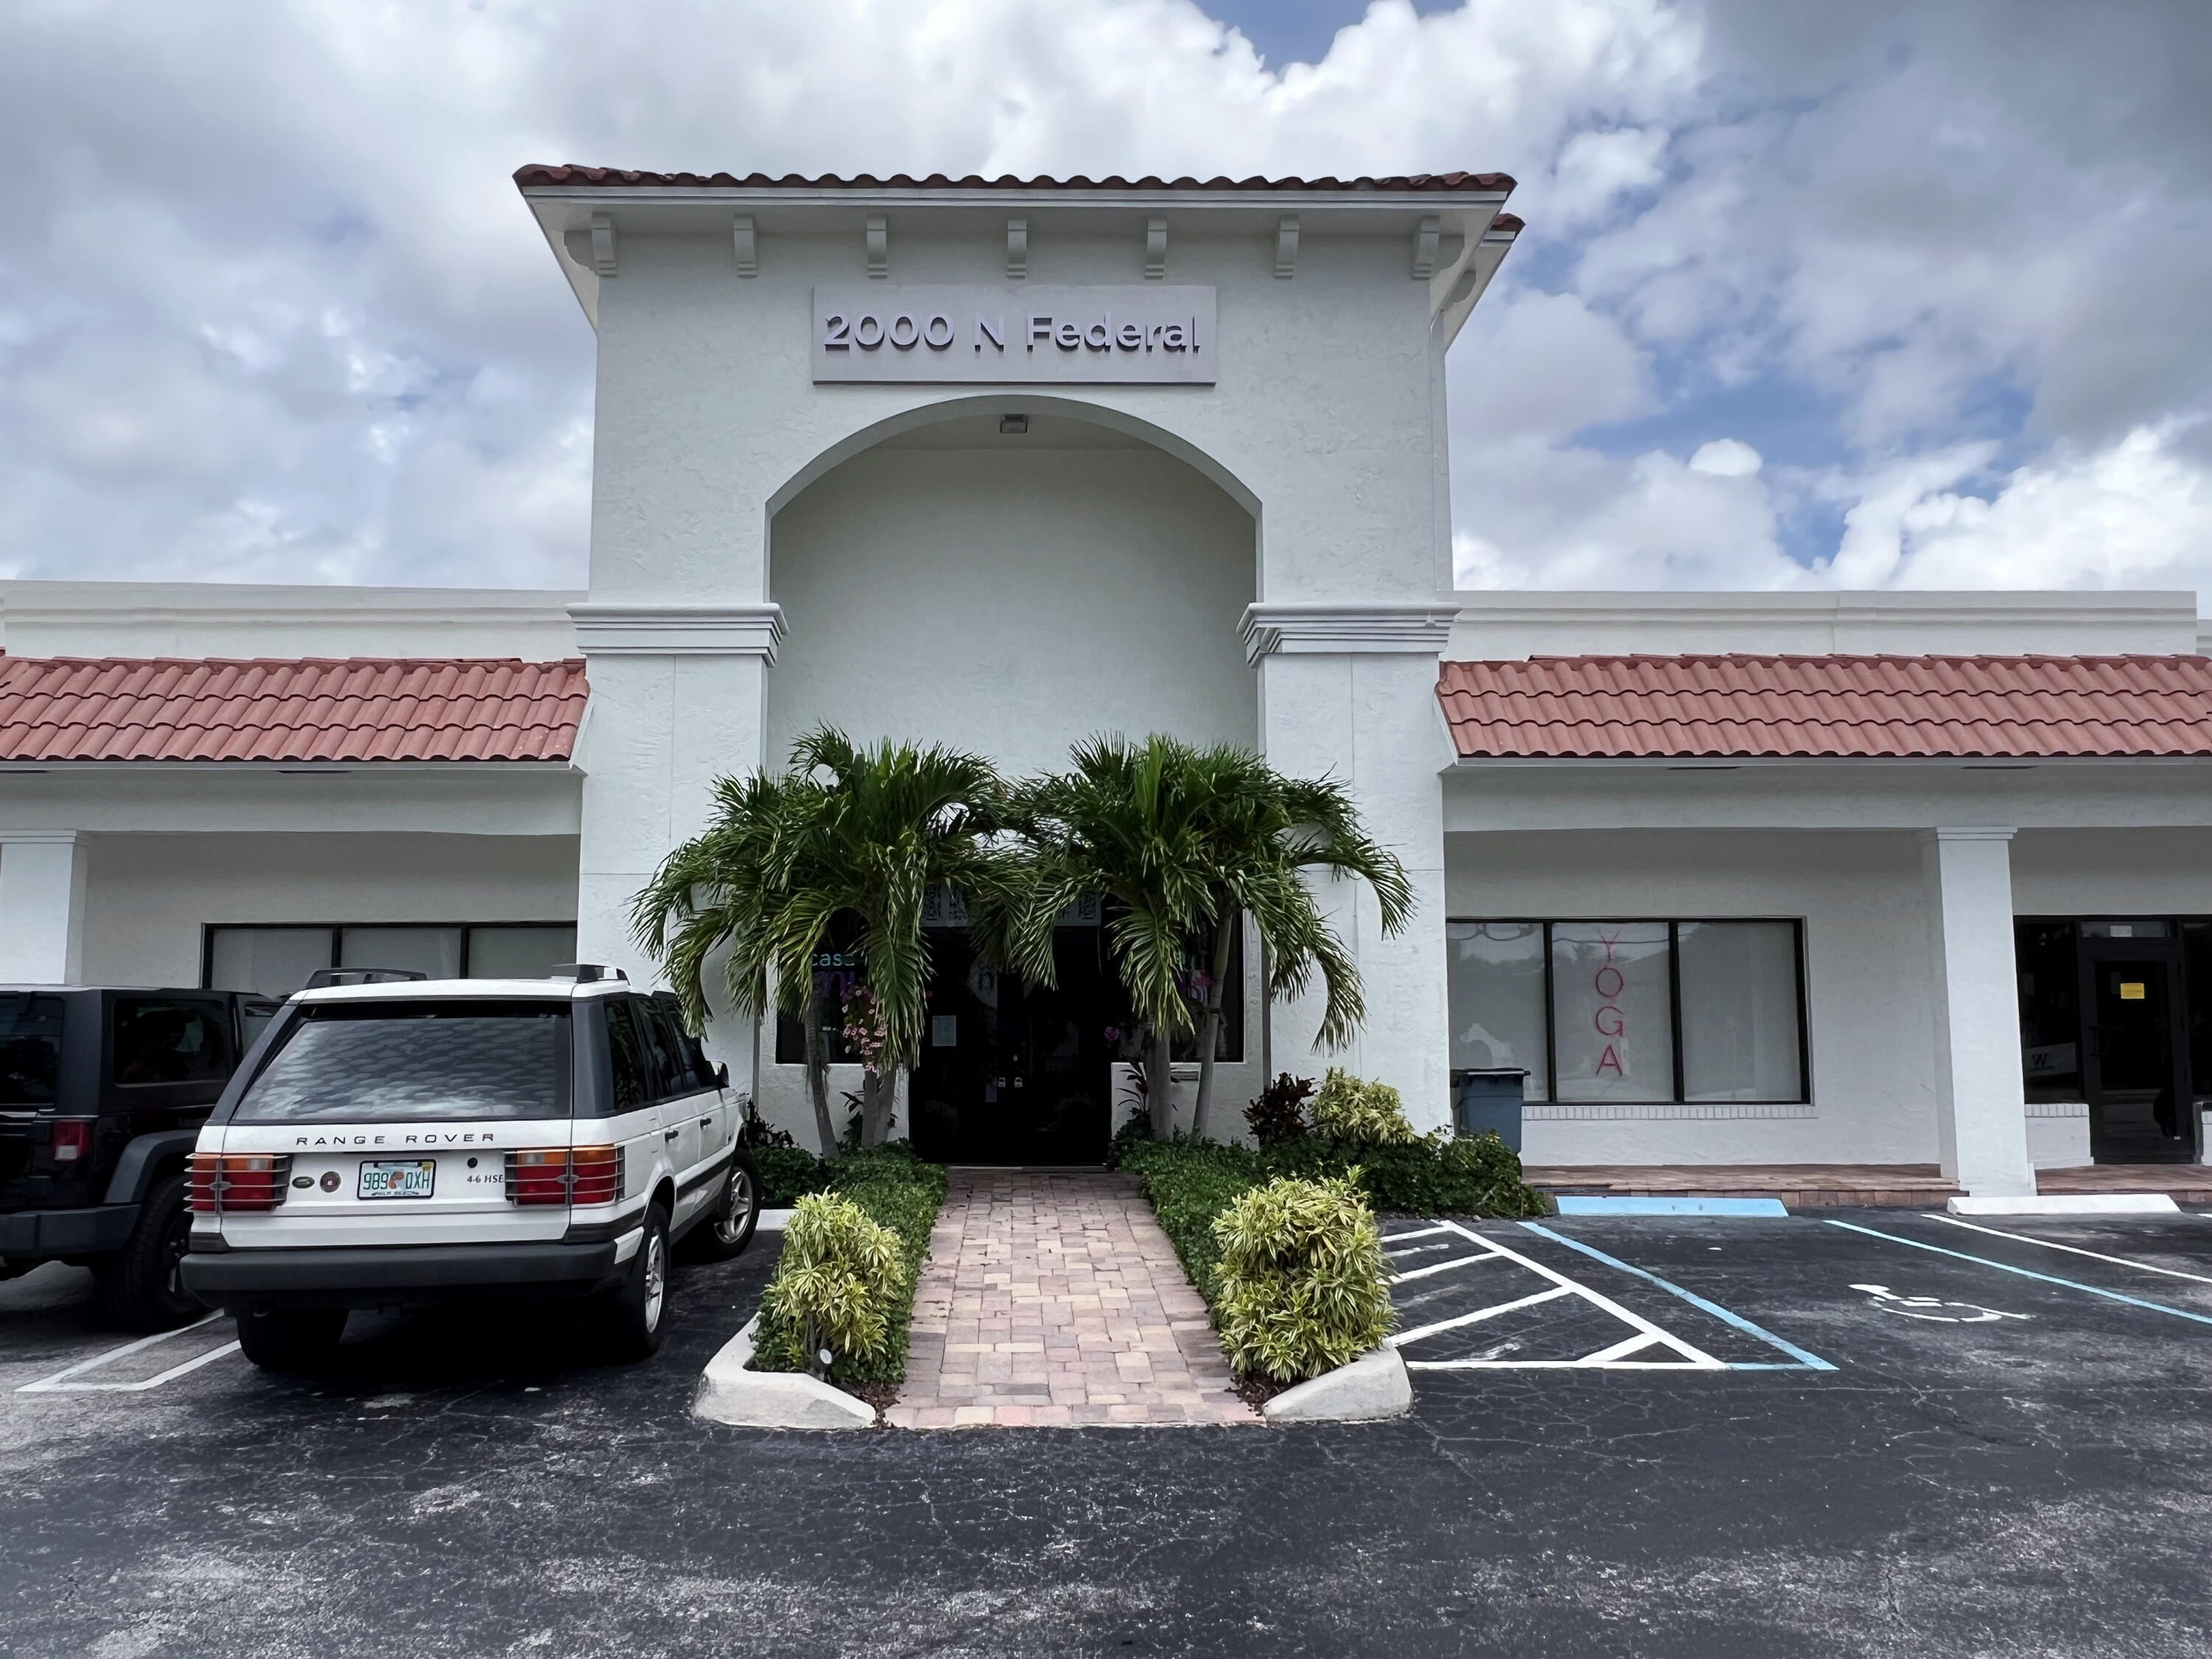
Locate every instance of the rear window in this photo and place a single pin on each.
(432, 1062)
(172, 1040)
(30, 1049)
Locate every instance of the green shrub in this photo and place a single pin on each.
(835, 1284)
(900, 1194)
(1349, 1108)
(1301, 1286)
(786, 1172)
(1472, 1175)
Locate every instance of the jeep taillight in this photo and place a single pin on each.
(72, 1138)
(220, 1183)
(564, 1175)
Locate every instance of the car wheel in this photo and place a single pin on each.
(727, 1233)
(291, 1339)
(142, 1286)
(636, 1310)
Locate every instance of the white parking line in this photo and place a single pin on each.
(1608, 1357)
(2075, 1249)
(61, 1381)
(1479, 1316)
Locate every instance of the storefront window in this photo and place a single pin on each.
(1613, 1010)
(1633, 1011)
(2049, 1016)
(275, 962)
(1740, 1039)
(1497, 982)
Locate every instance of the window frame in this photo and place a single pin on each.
(336, 930)
(1674, 926)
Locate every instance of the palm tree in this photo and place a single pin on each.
(844, 848)
(1184, 843)
(1263, 831)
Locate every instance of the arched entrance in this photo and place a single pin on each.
(1009, 576)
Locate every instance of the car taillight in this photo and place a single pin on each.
(565, 1174)
(219, 1182)
(596, 1175)
(72, 1138)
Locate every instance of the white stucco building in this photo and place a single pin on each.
(1905, 879)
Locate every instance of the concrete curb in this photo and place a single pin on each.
(728, 1392)
(2069, 1204)
(772, 1221)
(1372, 1387)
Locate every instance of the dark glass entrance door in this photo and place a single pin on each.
(2135, 1054)
(1013, 1072)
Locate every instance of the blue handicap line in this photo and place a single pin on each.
(1652, 1206)
(2025, 1273)
(1811, 1362)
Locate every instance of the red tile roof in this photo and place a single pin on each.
(1840, 706)
(539, 172)
(311, 709)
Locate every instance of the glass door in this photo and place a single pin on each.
(2136, 1056)
(1013, 1072)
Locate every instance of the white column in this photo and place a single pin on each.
(678, 700)
(1348, 691)
(1980, 1093)
(42, 874)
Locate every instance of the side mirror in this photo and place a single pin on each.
(722, 1075)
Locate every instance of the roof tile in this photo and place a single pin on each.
(1884, 707)
(295, 709)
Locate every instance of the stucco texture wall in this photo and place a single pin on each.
(1012, 601)
(149, 896)
(1868, 972)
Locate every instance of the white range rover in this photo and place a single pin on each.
(406, 1141)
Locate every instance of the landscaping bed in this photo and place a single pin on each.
(895, 1190)
(1191, 1185)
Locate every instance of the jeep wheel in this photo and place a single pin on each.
(142, 1286)
(729, 1229)
(634, 1311)
(291, 1339)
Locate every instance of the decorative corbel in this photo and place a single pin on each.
(1017, 248)
(879, 247)
(1286, 248)
(747, 245)
(603, 244)
(1425, 238)
(1156, 249)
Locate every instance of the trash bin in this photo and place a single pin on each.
(1487, 1101)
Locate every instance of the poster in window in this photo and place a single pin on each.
(1612, 1011)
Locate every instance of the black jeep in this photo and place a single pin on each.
(102, 1093)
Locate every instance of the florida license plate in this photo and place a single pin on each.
(412, 1179)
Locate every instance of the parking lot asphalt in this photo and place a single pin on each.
(2012, 1455)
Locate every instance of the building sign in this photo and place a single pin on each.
(1015, 333)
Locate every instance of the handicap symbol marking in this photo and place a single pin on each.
(1934, 1308)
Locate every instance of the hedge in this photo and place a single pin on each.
(896, 1188)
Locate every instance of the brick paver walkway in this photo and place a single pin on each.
(1056, 1299)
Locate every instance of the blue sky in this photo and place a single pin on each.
(1898, 293)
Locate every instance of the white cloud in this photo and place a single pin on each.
(1727, 457)
(2135, 513)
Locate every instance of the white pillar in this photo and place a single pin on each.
(678, 700)
(1980, 1093)
(1348, 691)
(41, 907)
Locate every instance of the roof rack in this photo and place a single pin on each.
(587, 973)
(323, 977)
